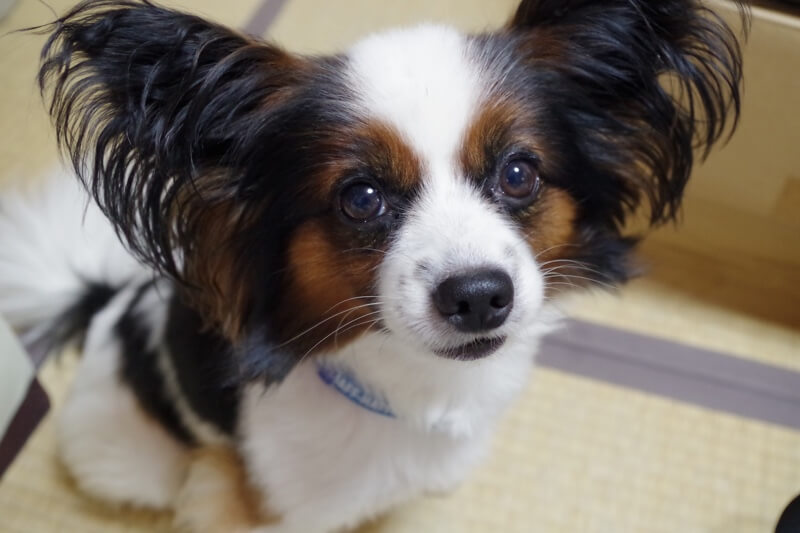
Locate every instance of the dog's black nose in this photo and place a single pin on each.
(475, 301)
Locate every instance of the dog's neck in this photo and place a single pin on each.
(343, 380)
(436, 394)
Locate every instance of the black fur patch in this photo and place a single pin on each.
(71, 325)
(204, 366)
(139, 368)
(202, 363)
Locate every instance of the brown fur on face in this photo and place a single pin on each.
(549, 225)
(329, 276)
(390, 158)
(330, 288)
(368, 150)
(502, 126)
(223, 290)
(506, 127)
(217, 285)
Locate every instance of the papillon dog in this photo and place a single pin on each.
(306, 288)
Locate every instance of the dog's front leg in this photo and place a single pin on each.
(216, 497)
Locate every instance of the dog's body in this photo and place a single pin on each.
(354, 253)
(311, 453)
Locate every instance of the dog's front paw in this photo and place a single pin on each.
(215, 496)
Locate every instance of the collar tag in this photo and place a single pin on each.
(345, 382)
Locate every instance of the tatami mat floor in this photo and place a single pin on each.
(573, 455)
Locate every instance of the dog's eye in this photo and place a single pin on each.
(361, 202)
(519, 181)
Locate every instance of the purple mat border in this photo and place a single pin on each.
(676, 371)
(264, 16)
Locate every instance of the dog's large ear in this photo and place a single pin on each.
(647, 82)
(162, 114)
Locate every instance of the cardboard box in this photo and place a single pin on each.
(739, 238)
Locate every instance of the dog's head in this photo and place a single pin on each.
(434, 185)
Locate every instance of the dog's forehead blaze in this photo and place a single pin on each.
(423, 81)
(329, 288)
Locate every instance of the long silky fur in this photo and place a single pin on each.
(185, 132)
(643, 85)
(148, 101)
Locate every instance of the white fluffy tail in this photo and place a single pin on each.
(56, 248)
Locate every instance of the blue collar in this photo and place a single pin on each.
(345, 382)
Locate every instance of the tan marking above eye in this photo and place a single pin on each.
(392, 154)
(372, 148)
(499, 127)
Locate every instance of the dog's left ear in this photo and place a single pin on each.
(646, 84)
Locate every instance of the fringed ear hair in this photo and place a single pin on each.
(162, 115)
(650, 82)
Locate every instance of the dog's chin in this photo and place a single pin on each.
(473, 350)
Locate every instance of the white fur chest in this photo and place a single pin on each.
(324, 462)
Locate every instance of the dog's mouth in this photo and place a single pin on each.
(477, 349)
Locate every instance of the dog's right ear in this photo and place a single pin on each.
(651, 84)
(162, 115)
